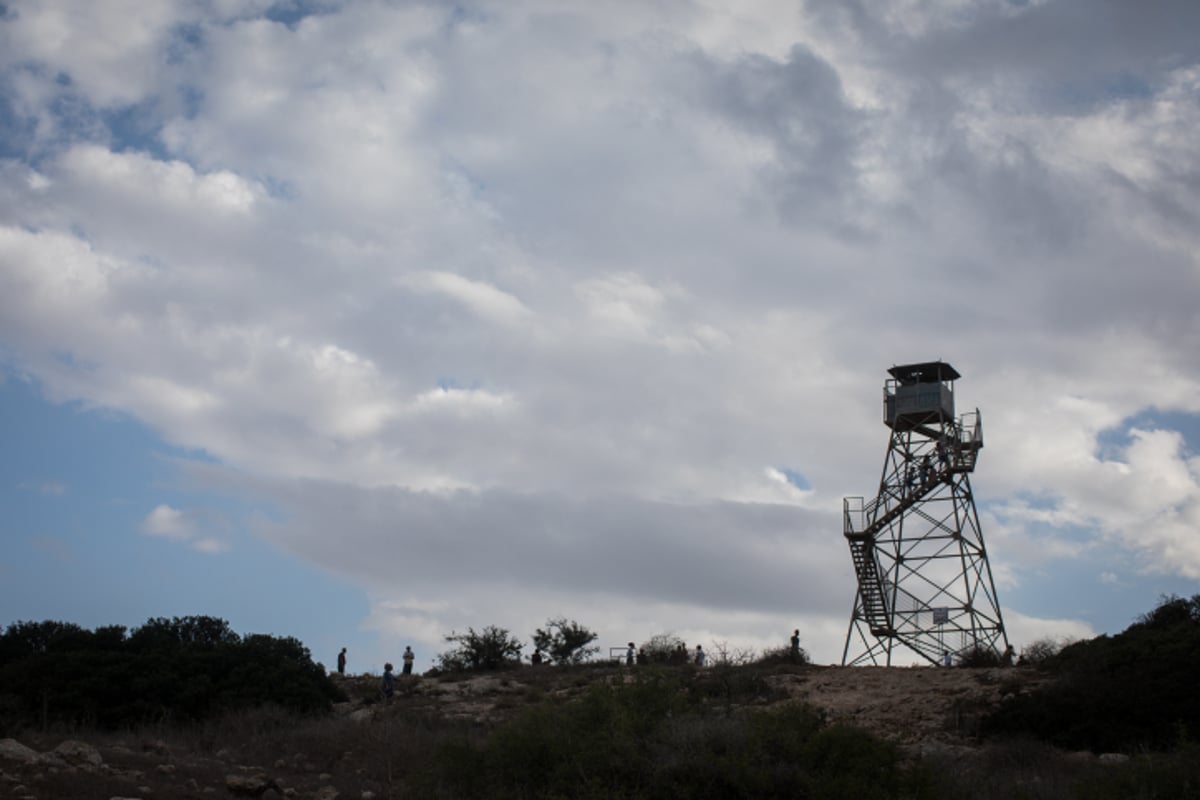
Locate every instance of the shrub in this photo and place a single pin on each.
(979, 657)
(720, 654)
(1174, 775)
(661, 648)
(489, 649)
(1124, 692)
(652, 738)
(1171, 611)
(782, 655)
(565, 641)
(1039, 652)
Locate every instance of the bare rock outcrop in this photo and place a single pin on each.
(12, 750)
(251, 785)
(79, 754)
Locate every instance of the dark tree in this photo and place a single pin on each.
(565, 641)
(489, 649)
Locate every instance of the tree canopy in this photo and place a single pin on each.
(185, 668)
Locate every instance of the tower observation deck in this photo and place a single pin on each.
(924, 582)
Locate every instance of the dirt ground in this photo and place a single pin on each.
(910, 705)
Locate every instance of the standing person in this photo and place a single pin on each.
(342, 662)
(408, 660)
(388, 685)
(699, 656)
(629, 654)
(1006, 660)
(947, 659)
(796, 646)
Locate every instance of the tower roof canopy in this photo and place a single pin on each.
(927, 372)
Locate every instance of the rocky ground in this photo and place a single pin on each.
(924, 709)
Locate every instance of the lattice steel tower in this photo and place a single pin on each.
(923, 577)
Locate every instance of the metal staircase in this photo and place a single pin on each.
(870, 585)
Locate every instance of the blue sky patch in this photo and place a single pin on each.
(796, 479)
(292, 12)
(136, 128)
(1111, 443)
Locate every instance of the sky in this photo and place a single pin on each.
(370, 322)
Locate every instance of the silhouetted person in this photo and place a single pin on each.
(388, 685)
(629, 655)
(796, 646)
(1006, 660)
(699, 656)
(342, 662)
(408, 660)
(536, 658)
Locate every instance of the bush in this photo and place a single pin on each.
(565, 642)
(1174, 775)
(489, 649)
(782, 655)
(979, 657)
(661, 648)
(1038, 653)
(652, 737)
(1170, 612)
(1125, 692)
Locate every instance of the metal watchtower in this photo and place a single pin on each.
(923, 575)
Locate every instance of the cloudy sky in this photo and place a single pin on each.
(365, 322)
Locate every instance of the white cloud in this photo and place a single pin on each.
(123, 177)
(484, 299)
(555, 285)
(210, 546)
(170, 523)
(1024, 630)
(184, 526)
(108, 50)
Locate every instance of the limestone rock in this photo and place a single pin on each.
(12, 750)
(79, 754)
(250, 785)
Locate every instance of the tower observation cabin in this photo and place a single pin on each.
(924, 583)
(919, 394)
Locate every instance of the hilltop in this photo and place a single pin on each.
(911, 706)
(351, 754)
